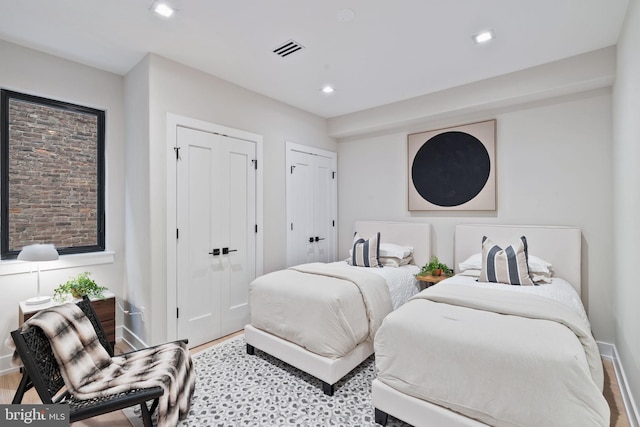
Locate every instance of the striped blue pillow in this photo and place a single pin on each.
(365, 253)
(509, 265)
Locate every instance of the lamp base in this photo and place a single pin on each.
(37, 300)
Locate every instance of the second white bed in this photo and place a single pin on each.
(464, 353)
(306, 316)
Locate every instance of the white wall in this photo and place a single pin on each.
(554, 167)
(136, 195)
(175, 88)
(29, 71)
(626, 201)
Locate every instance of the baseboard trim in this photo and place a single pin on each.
(134, 341)
(5, 365)
(611, 352)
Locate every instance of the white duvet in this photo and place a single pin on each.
(496, 354)
(401, 281)
(326, 308)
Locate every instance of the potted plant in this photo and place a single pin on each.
(435, 268)
(78, 286)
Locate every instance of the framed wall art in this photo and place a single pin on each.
(453, 168)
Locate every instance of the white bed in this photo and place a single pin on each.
(314, 360)
(470, 392)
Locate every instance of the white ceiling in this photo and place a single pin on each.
(391, 50)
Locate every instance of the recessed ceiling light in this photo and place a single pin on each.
(346, 15)
(327, 89)
(163, 9)
(484, 37)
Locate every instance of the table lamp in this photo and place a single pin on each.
(37, 253)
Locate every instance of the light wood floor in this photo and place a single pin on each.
(9, 383)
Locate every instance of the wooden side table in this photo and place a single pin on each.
(429, 280)
(105, 308)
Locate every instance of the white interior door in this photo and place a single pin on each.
(301, 208)
(324, 208)
(311, 205)
(237, 231)
(216, 246)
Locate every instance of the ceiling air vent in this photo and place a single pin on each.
(287, 48)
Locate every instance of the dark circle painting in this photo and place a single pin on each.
(450, 169)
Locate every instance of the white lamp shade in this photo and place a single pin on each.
(38, 252)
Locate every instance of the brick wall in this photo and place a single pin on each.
(52, 176)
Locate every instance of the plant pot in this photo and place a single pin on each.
(437, 272)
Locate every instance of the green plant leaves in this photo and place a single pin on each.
(78, 286)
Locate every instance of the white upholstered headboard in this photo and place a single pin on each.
(561, 246)
(416, 234)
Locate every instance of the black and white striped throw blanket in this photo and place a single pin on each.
(89, 371)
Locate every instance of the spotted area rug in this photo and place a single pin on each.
(234, 388)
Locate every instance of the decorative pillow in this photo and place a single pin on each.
(507, 265)
(537, 265)
(365, 253)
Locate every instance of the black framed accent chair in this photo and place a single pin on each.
(67, 358)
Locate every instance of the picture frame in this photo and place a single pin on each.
(453, 169)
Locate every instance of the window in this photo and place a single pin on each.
(52, 175)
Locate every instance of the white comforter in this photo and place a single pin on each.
(326, 308)
(401, 281)
(505, 358)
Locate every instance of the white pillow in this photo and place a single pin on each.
(392, 250)
(396, 251)
(474, 262)
(540, 278)
(540, 266)
(471, 273)
(536, 265)
(391, 261)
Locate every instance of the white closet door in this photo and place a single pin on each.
(311, 205)
(216, 242)
(300, 206)
(237, 231)
(324, 208)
